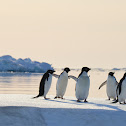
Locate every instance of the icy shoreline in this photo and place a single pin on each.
(19, 110)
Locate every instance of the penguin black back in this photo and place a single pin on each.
(120, 83)
(42, 83)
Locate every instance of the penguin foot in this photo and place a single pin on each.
(78, 100)
(46, 98)
(56, 97)
(62, 98)
(85, 100)
(108, 99)
(123, 103)
(115, 101)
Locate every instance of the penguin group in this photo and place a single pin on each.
(82, 84)
(114, 90)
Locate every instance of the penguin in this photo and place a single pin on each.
(61, 83)
(121, 90)
(111, 86)
(82, 84)
(45, 84)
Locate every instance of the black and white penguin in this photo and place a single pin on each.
(111, 86)
(82, 84)
(121, 90)
(61, 83)
(45, 84)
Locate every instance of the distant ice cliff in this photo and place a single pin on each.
(8, 63)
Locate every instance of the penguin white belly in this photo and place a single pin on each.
(47, 85)
(82, 88)
(122, 96)
(61, 86)
(111, 88)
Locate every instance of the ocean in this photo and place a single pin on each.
(28, 83)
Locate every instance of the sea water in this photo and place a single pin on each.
(28, 83)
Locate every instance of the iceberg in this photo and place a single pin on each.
(8, 63)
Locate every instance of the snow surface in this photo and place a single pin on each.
(8, 63)
(22, 110)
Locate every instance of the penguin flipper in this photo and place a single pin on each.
(73, 77)
(119, 86)
(118, 90)
(55, 75)
(102, 84)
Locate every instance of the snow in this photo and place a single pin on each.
(8, 63)
(20, 110)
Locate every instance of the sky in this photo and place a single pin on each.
(72, 33)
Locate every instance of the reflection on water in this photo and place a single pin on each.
(21, 83)
(28, 83)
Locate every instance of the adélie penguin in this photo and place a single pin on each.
(82, 84)
(61, 83)
(45, 84)
(121, 90)
(111, 86)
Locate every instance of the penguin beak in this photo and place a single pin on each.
(89, 69)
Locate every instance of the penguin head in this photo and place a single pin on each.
(66, 69)
(111, 73)
(86, 69)
(51, 71)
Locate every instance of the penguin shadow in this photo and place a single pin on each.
(78, 103)
(56, 100)
(97, 104)
(69, 101)
(108, 106)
